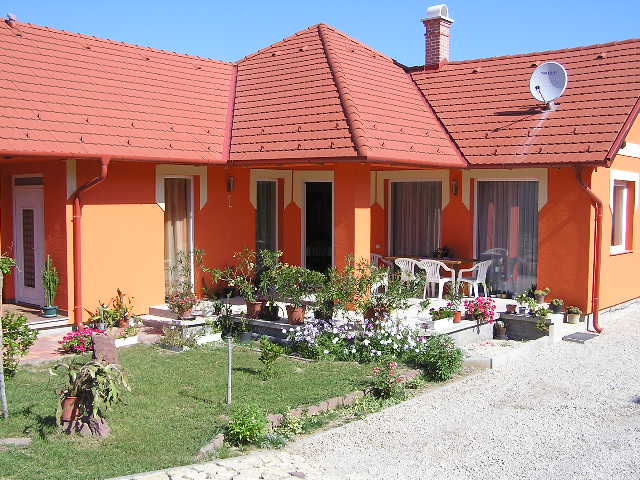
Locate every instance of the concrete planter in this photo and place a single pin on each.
(573, 318)
(125, 342)
(442, 324)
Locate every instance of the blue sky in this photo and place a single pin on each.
(229, 30)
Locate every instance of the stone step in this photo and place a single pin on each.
(156, 321)
(51, 326)
(268, 328)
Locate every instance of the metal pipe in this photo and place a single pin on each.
(597, 249)
(77, 239)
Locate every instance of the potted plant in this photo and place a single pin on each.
(556, 305)
(92, 390)
(542, 318)
(500, 331)
(269, 262)
(481, 309)
(181, 303)
(50, 283)
(539, 294)
(442, 317)
(511, 308)
(122, 308)
(294, 283)
(573, 314)
(454, 295)
(102, 318)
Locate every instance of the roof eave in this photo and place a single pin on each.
(622, 134)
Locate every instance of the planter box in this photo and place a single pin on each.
(212, 337)
(125, 342)
(441, 324)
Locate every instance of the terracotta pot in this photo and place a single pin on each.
(511, 308)
(124, 322)
(555, 308)
(295, 315)
(501, 333)
(70, 409)
(254, 309)
(540, 299)
(573, 318)
(457, 317)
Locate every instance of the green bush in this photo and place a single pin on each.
(248, 425)
(441, 359)
(269, 353)
(17, 338)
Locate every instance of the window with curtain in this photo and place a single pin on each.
(266, 215)
(415, 218)
(177, 224)
(507, 233)
(622, 216)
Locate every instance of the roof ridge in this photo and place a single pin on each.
(280, 42)
(356, 41)
(415, 68)
(114, 42)
(349, 107)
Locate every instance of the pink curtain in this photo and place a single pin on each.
(177, 224)
(415, 217)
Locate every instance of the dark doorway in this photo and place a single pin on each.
(318, 248)
(266, 216)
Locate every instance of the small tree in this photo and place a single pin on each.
(6, 264)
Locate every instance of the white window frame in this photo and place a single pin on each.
(618, 176)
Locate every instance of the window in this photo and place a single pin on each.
(266, 216)
(622, 207)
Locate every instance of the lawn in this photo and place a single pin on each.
(172, 411)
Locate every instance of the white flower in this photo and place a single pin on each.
(366, 341)
(353, 349)
(335, 340)
(335, 330)
(297, 329)
(284, 330)
(326, 352)
(379, 353)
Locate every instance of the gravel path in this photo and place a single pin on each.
(569, 412)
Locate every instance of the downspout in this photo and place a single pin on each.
(77, 239)
(597, 249)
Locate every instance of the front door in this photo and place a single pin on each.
(28, 227)
(178, 233)
(318, 238)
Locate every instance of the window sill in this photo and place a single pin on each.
(613, 252)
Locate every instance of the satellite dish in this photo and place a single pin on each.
(548, 82)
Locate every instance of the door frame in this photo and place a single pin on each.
(191, 214)
(38, 259)
(303, 232)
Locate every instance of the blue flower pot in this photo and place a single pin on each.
(49, 312)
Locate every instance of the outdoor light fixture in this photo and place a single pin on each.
(454, 187)
(231, 183)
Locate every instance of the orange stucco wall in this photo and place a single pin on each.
(56, 219)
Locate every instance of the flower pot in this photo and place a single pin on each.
(573, 318)
(511, 308)
(254, 309)
(70, 409)
(101, 326)
(295, 315)
(271, 313)
(124, 322)
(457, 317)
(187, 315)
(500, 333)
(555, 308)
(50, 311)
(540, 299)
(522, 310)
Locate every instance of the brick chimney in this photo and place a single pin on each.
(437, 39)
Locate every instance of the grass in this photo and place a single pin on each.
(173, 410)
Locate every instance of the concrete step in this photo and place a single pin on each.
(51, 326)
(268, 328)
(162, 311)
(156, 321)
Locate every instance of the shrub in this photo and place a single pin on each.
(17, 338)
(248, 425)
(386, 383)
(79, 341)
(291, 426)
(272, 440)
(440, 359)
(269, 353)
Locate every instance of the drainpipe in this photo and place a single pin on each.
(597, 249)
(77, 239)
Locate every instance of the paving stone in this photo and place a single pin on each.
(15, 441)
(153, 476)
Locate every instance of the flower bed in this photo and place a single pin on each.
(79, 341)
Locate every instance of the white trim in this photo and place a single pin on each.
(409, 176)
(262, 175)
(302, 176)
(630, 150)
(622, 178)
(627, 177)
(540, 175)
(303, 214)
(180, 171)
(72, 181)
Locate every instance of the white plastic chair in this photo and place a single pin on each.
(480, 277)
(407, 268)
(378, 260)
(432, 273)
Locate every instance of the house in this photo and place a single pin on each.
(113, 157)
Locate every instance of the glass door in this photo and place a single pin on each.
(507, 232)
(178, 232)
(267, 216)
(318, 238)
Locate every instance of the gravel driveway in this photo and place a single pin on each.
(570, 411)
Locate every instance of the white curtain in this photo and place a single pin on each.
(415, 220)
(177, 224)
(507, 233)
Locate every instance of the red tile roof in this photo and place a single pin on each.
(488, 109)
(320, 94)
(70, 94)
